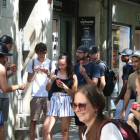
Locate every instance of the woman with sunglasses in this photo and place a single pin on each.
(88, 105)
(63, 83)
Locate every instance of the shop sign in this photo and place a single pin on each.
(86, 31)
(138, 16)
(61, 6)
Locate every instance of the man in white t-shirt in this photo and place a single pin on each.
(39, 70)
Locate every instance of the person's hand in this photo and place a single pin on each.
(82, 71)
(60, 84)
(7, 65)
(116, 101)
(36, 68)
(14, 70)
(22, 86)
(132, 125)
(122, 115)
(53, 78)
(46, 72)
(138, 106)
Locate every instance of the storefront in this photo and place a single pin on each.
(64, 18)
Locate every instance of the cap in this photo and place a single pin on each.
(4, 50)
(93, 49)
(83, 48)
(136, 54)
(126, 51)
(6, 39)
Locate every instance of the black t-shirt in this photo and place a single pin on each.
(127, 70)
(103, 70)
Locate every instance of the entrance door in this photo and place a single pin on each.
(65, 35)
(137, 39)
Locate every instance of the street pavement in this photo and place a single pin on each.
(73, 132)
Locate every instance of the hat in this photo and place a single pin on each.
(136, 54)
(126, 52)
(6, 39)
(4, 50)
(93, 49)
(83, 48)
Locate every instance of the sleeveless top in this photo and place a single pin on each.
(55, 88)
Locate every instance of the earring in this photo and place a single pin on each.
(96, 114)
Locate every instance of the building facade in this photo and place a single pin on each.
(63, 25)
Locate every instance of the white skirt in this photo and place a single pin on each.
(60, 105)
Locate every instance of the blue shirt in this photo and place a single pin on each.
(81, 79)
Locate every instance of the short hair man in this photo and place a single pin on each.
(4, 97)
(4, 87)
(131, 81)
(40, 78)
(127, 70)
(94, 56)
(84, 76)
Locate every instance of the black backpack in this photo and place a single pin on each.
(91, 68)
(110, 79)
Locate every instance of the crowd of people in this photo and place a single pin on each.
(75, 90)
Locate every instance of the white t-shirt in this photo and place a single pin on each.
(41, 79)
(108, 132)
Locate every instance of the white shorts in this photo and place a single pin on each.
(119, 108)
(60, 105)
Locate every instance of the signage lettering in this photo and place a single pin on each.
(58, 3)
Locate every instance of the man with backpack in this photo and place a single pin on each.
(94, 56)
(127, 70)
(39, 70)
(87, 73)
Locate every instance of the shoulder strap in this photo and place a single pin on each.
(33, 63)
(56, 71)
(50, 66)
(92, 68)
(75, 67)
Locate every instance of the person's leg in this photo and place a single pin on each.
(65, 123)
(47, 127)
(35, 111)
(32, 129)
(119, 108)
(4, 105)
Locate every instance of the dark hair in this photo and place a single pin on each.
(1, 55)
(97, 100)
(40, 47)
(69, 69)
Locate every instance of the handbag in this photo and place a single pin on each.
(1, 118)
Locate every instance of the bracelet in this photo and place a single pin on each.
(50, 82)
(86, 76)
(18, 87)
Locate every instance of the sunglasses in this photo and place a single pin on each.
(82, 106)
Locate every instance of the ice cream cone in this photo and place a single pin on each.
(131, 117)
(81, 63)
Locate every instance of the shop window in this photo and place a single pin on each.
(120, 41)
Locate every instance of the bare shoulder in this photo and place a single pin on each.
(74, 76)
(2, 69)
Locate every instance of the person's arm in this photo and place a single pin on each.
(125, 103)
(51, 80)
(136, 113)
(102, 84)
(12, 73)
(73, 89)
(31, 76)
(123, 91)
(3, 83)
(95, 77)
